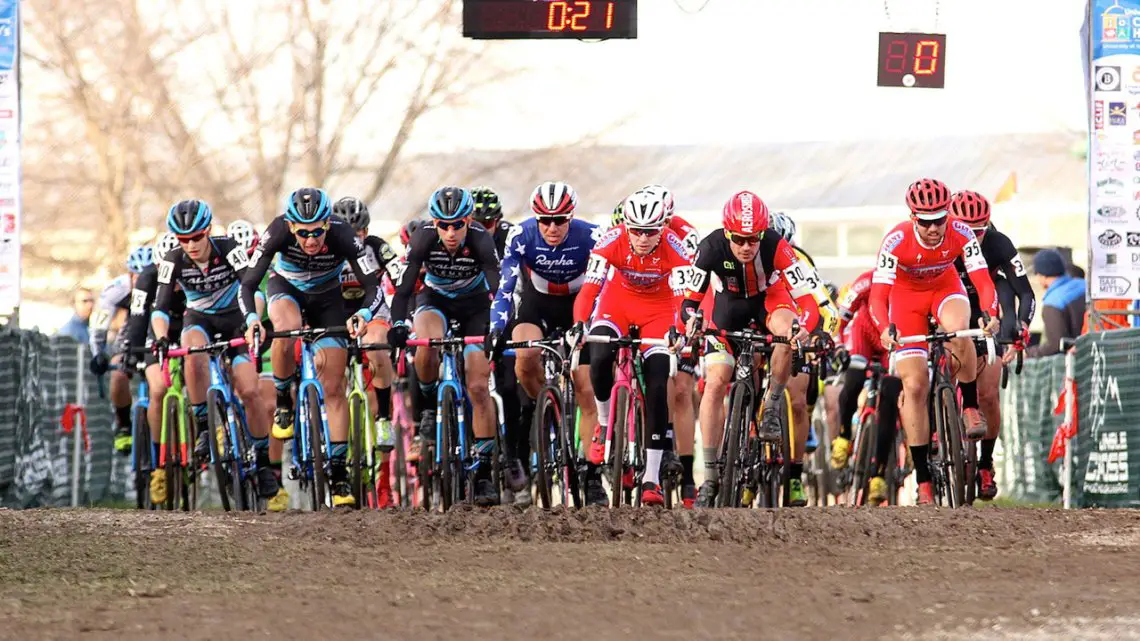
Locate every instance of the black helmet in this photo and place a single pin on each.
(411, 227)
(308, 205)
(353, 211)
(487, 206)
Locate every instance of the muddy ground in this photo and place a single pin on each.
(900, 573)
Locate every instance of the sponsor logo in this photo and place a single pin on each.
(1108, 262)
(1109, 238)
(1134, 239)
(1110, 187)
(1117, 114)
(1107, 78)
(1135, 257)
(8, 222)
(1098, 114)
(1112, 160)
(6, 113)
(1112, 212)
(1114, 27)
(746, 211)
(1114, 285)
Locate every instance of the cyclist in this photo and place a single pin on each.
(1017, 304)
(415, 394)
(114, 303)
(462, 270)
(760, 278)
(650, 268)
(914, 279)
(517, 413)
(379, 374)
(680, 435)
(545, 266)
(865, 348)
(209, 270)
(311, 247)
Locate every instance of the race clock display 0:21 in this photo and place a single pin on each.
(549, 19)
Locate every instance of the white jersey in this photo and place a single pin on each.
(116, 295)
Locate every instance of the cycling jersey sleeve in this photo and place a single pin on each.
(272, 242)
(681, 274)
(976, 267)
(700, 275)
(596, 270)
(418, 249)
(514, 253)
(142, 299)
(165, 292)
(365, 265)
(828, 313)
(854, 299)
(110, 300)
(1016, 276)
(886, 269)
(800, 278)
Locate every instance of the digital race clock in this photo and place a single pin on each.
(525, 19)
(912, 60)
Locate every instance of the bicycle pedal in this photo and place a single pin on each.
(294, 474)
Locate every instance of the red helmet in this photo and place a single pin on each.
(928, 198)
(745, 214)
(971, 208)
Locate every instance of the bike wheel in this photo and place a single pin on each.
(449, 477)
(319, 489)
(953, 460)
(356, 466)
(568, 456)
(399, 467)
(142, 455)
(242, 470)
(173, 462)
(547, 422)
(971, 453)
(735, 433)
(619, 415)
(221, 456)
(865, 443)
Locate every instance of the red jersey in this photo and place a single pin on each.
(661, 274)
(903, 258)
(688, 234)
(855, 298)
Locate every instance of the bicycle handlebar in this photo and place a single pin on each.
(209, 347)
(445, 342)
(943, 337)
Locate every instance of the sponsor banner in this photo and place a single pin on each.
(1114, 150)
(10, 197)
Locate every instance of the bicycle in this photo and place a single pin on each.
(309, 465)
(948, 452)
(864, 441)
(362, 436)
(177, 438)
(451, 472)
(232, 455)
(625, 434)
(973, 487)
(553, 438)
(405, 474)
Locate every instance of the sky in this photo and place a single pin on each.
(742, 71)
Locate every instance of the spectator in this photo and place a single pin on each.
(1063, 305)
(1076, 271)
(76, 328)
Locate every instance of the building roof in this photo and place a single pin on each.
(806, 175)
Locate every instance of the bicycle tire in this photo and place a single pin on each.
(865, 442)
(894, 482)
(399, 471)
(319, 489)
(143, 464)
(619, 415)
(173, 466)
(356, 476)
(951, 453)
(971, 476)
(640, 442)
(547, 417)
(229, 491)
(568, 446)
(191, 470)
(449, 476)
(242, 471)
(735, 431)
(425, 473)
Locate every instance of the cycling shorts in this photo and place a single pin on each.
(735, 313)
(217, 327)
(618, 309)
(318, 310)
(550, 313)
(912, 305)
(472, 313)
(864, 342)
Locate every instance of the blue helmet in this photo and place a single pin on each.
(189, 217)
(140, 259)
(308, 205)
(451, 203)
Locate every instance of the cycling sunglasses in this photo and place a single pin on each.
(937, 222)
(738, 239)
(311, 233)
(455, 224)
(193, 238)
(555, 221)
(643, 232)
(978, 231)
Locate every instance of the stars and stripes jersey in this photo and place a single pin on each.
(776, 260)
(904, 260)
(556, 271)
(473, 270)
(662, 273)
(116, 295)
(211, 288)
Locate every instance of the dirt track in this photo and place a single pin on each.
(501, 574)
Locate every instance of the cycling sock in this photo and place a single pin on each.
(775, 392)
(687, 470)
(284, 391)
(428, 390)
(652, 466)
(969, 395)
(796, 471)
(484, 449)
(667, 443)
(384, 402)
(338, 451)
(123, 416)
(276, 467)
(711, 468)
(918, 455)
(603, 414)
(200, 422)
(986, 460)
(849, 399)
(261, 452)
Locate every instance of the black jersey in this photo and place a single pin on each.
(377, 251)
(746, 280)
(1005, 266)
(143, 297)
(210, 288)
(472, 270)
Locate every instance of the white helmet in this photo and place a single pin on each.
(783, 225)
(164, 245)
(645, 209)
(243, 232)
(553, 199)
(665, 195)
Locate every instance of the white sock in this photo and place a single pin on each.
(652, 466)
(603, 414)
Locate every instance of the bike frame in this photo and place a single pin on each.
(142, 401)
(358, 397)
(402, 421)
(302, 447)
